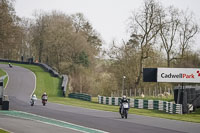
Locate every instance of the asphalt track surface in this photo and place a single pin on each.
(21, 85)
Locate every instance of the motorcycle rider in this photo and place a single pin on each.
(123, 100)
(33, 99)
(9, 64)
(44, 97)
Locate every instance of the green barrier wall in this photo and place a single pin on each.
(80, 96)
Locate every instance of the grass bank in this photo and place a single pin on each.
(2, 73)
(3, 131)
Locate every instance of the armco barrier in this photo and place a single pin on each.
(168, 107)
(48, 69)
(80, 96)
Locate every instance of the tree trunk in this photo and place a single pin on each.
(168, 60)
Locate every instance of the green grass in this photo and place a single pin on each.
(45, 82)
(3, 131)
(2, 73)
(193, 117)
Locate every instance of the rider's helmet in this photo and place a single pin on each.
(45, 93)
(123, 97)
(34, 95)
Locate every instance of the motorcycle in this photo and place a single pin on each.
(10, 65)
(33, 101)
(44, 100)
(124, 110)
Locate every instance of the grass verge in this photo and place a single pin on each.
(3, 131)
(2, 73)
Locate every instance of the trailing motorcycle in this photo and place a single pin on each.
(10, 65)
(44, 100)
(124, 110)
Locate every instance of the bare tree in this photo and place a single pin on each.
(188, 29)
(78, 21)
(169, 24)
(145, 28)
(26, 49)
(38, 34)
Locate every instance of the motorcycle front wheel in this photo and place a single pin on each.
(126, 113)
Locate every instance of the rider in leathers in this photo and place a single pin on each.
(122, 101)
(44, 96)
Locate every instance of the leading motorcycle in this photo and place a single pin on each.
(124, 110)
(10, 65)
(33, 100)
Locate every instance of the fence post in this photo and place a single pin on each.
(160, 90)
(135, 92)
(139, 91)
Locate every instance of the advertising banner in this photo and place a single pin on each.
(180, 75)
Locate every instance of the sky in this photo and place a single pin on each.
(108, 17)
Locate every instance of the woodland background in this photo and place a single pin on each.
(159, 37)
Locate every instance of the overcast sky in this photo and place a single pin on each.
(108, 17)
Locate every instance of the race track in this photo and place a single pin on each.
(21, 85)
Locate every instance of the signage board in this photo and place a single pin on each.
(180, 75)
(149, 74)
